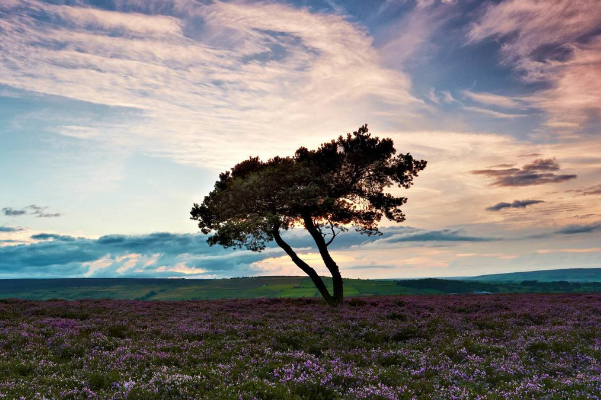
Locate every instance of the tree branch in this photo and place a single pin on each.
(334, 234)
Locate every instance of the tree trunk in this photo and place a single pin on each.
(317, 281)
(327, 259)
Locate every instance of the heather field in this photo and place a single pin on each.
(502, 346)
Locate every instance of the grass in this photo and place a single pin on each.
(259, 287)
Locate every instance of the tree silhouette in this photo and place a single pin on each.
(328, 190)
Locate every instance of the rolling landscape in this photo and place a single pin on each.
(547, 281)
(570, 275)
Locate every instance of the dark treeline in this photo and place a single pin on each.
(527, 286)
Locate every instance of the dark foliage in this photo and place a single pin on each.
(339, 185)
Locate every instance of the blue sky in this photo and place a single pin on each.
(115, 116)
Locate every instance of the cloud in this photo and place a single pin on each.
(493, 99)
(580, 228)
(372, 266)
(448, 97)
(539, 172)
(409, 38)
(10, 229)
(587, 191)
(536, 24)
(493, 113)
(51, 236)
(224, 71)
(556, 42)
(157, 254)
(39, 212)
(515, 204)
(445, 235)
(11, 212)
(433, 97)
(502, 166)
(165, 254)
(572, 250)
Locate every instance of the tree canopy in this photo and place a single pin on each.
(328, 190)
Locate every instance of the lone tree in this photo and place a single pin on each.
(328, 190)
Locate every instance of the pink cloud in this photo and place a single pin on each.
(554, 41)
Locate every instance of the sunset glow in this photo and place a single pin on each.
(117, 115)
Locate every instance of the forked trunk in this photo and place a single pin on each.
(334, 300)
(327, 259)
(317, 281)
(337, 282)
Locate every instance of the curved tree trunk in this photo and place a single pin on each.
(327, 259)
(338, 296)
(317, 281)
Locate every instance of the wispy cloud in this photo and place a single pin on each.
(587, 191)
(514, 204)
(231, 71)
(580, 228)
(571, 250)
(493, 99)
(10, 229)
(445, 235)
(38, 211)
(556, 42)
(372, 266)
(11, 212)
(496, 114)
(409, 38)
(448, 97)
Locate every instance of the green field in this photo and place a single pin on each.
(260, 287)
(550, 275)
(182, 289)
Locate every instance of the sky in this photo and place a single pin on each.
(117, 115)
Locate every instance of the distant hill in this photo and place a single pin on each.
(274, 286)
(551, 275)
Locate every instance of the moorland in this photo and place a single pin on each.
(499, 346)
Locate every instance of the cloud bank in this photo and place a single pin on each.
(179, 255)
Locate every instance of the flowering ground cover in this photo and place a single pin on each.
(503, 346)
